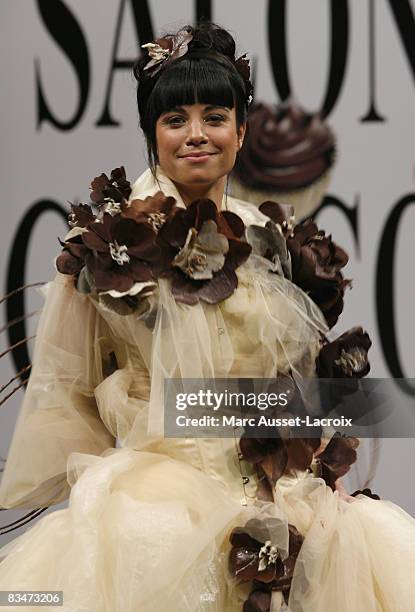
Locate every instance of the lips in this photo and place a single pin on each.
(197, 154)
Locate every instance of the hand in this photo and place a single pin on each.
(343, 494)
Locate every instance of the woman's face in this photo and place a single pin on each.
(197, 143)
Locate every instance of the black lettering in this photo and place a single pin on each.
(67, 32)
(385, 310)
(350, 214)
(277, 40)
(372, 114)
(144, 29)
(16, 275)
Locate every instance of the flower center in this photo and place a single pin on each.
(268, 555)
(119, 253)
(156, 220)
(112, 207)
(352, 361)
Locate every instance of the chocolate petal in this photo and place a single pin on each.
(68, 264)
(200, 211)
(233, 224)
(258, 601)
(239, 538)
(243, 564)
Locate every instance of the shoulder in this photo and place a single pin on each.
(144, 186)
(248, 212)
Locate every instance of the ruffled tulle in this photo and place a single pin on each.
(355, 557)
(146, 532)
(142, 532)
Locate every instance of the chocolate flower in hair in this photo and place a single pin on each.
(166, 49)
(203, 247)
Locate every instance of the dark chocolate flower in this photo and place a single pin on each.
(253, 557)
(81, 215)
(72, 258)
(316, 264)
(202, 247)
(346, 357)
(164, 50)
(152, 210)
(113, 190)
(335, 460)
(269, 242)
(121, 254)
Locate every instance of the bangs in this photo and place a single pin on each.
(192, 81)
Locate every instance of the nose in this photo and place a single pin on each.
(196, 134)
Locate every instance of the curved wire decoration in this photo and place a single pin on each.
(23, 374)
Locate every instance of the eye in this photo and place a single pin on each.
(174, 120)
(214, 118)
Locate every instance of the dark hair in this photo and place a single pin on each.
(206, 74)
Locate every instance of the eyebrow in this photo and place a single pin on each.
(209, 107)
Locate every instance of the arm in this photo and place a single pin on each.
(59, 413)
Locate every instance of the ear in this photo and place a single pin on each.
(240, 132)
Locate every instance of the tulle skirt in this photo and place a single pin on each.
(144, 532)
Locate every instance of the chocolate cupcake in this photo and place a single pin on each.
(287, 156)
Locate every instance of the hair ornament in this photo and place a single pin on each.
(167, 49)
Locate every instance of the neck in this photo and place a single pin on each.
(214, 192)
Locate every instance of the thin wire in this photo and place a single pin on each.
(13, 391)
(18, 319)
(16, 344)
(20, 289)
(22, 371)
(32, 515)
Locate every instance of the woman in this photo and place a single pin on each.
(190, 283)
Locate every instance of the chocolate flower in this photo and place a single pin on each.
(285, 148)
(121, 253)
(316, 264)
(202, 248)
(80, 216)
(346, 357)
(72, 258)
(253, 557)
(166, 49)
(335, 460)
(152, 210)
(269, 242)
(113, 190)
(203, 252)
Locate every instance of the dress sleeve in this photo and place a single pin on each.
(59, 413)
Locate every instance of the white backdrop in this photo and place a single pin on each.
(44, 45)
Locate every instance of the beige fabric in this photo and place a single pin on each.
(147, 527)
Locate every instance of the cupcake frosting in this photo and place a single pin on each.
(285, 148)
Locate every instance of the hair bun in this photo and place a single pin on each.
(212, 36)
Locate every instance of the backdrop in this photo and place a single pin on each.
(69, 113)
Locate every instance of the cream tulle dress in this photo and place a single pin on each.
(148, 523)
